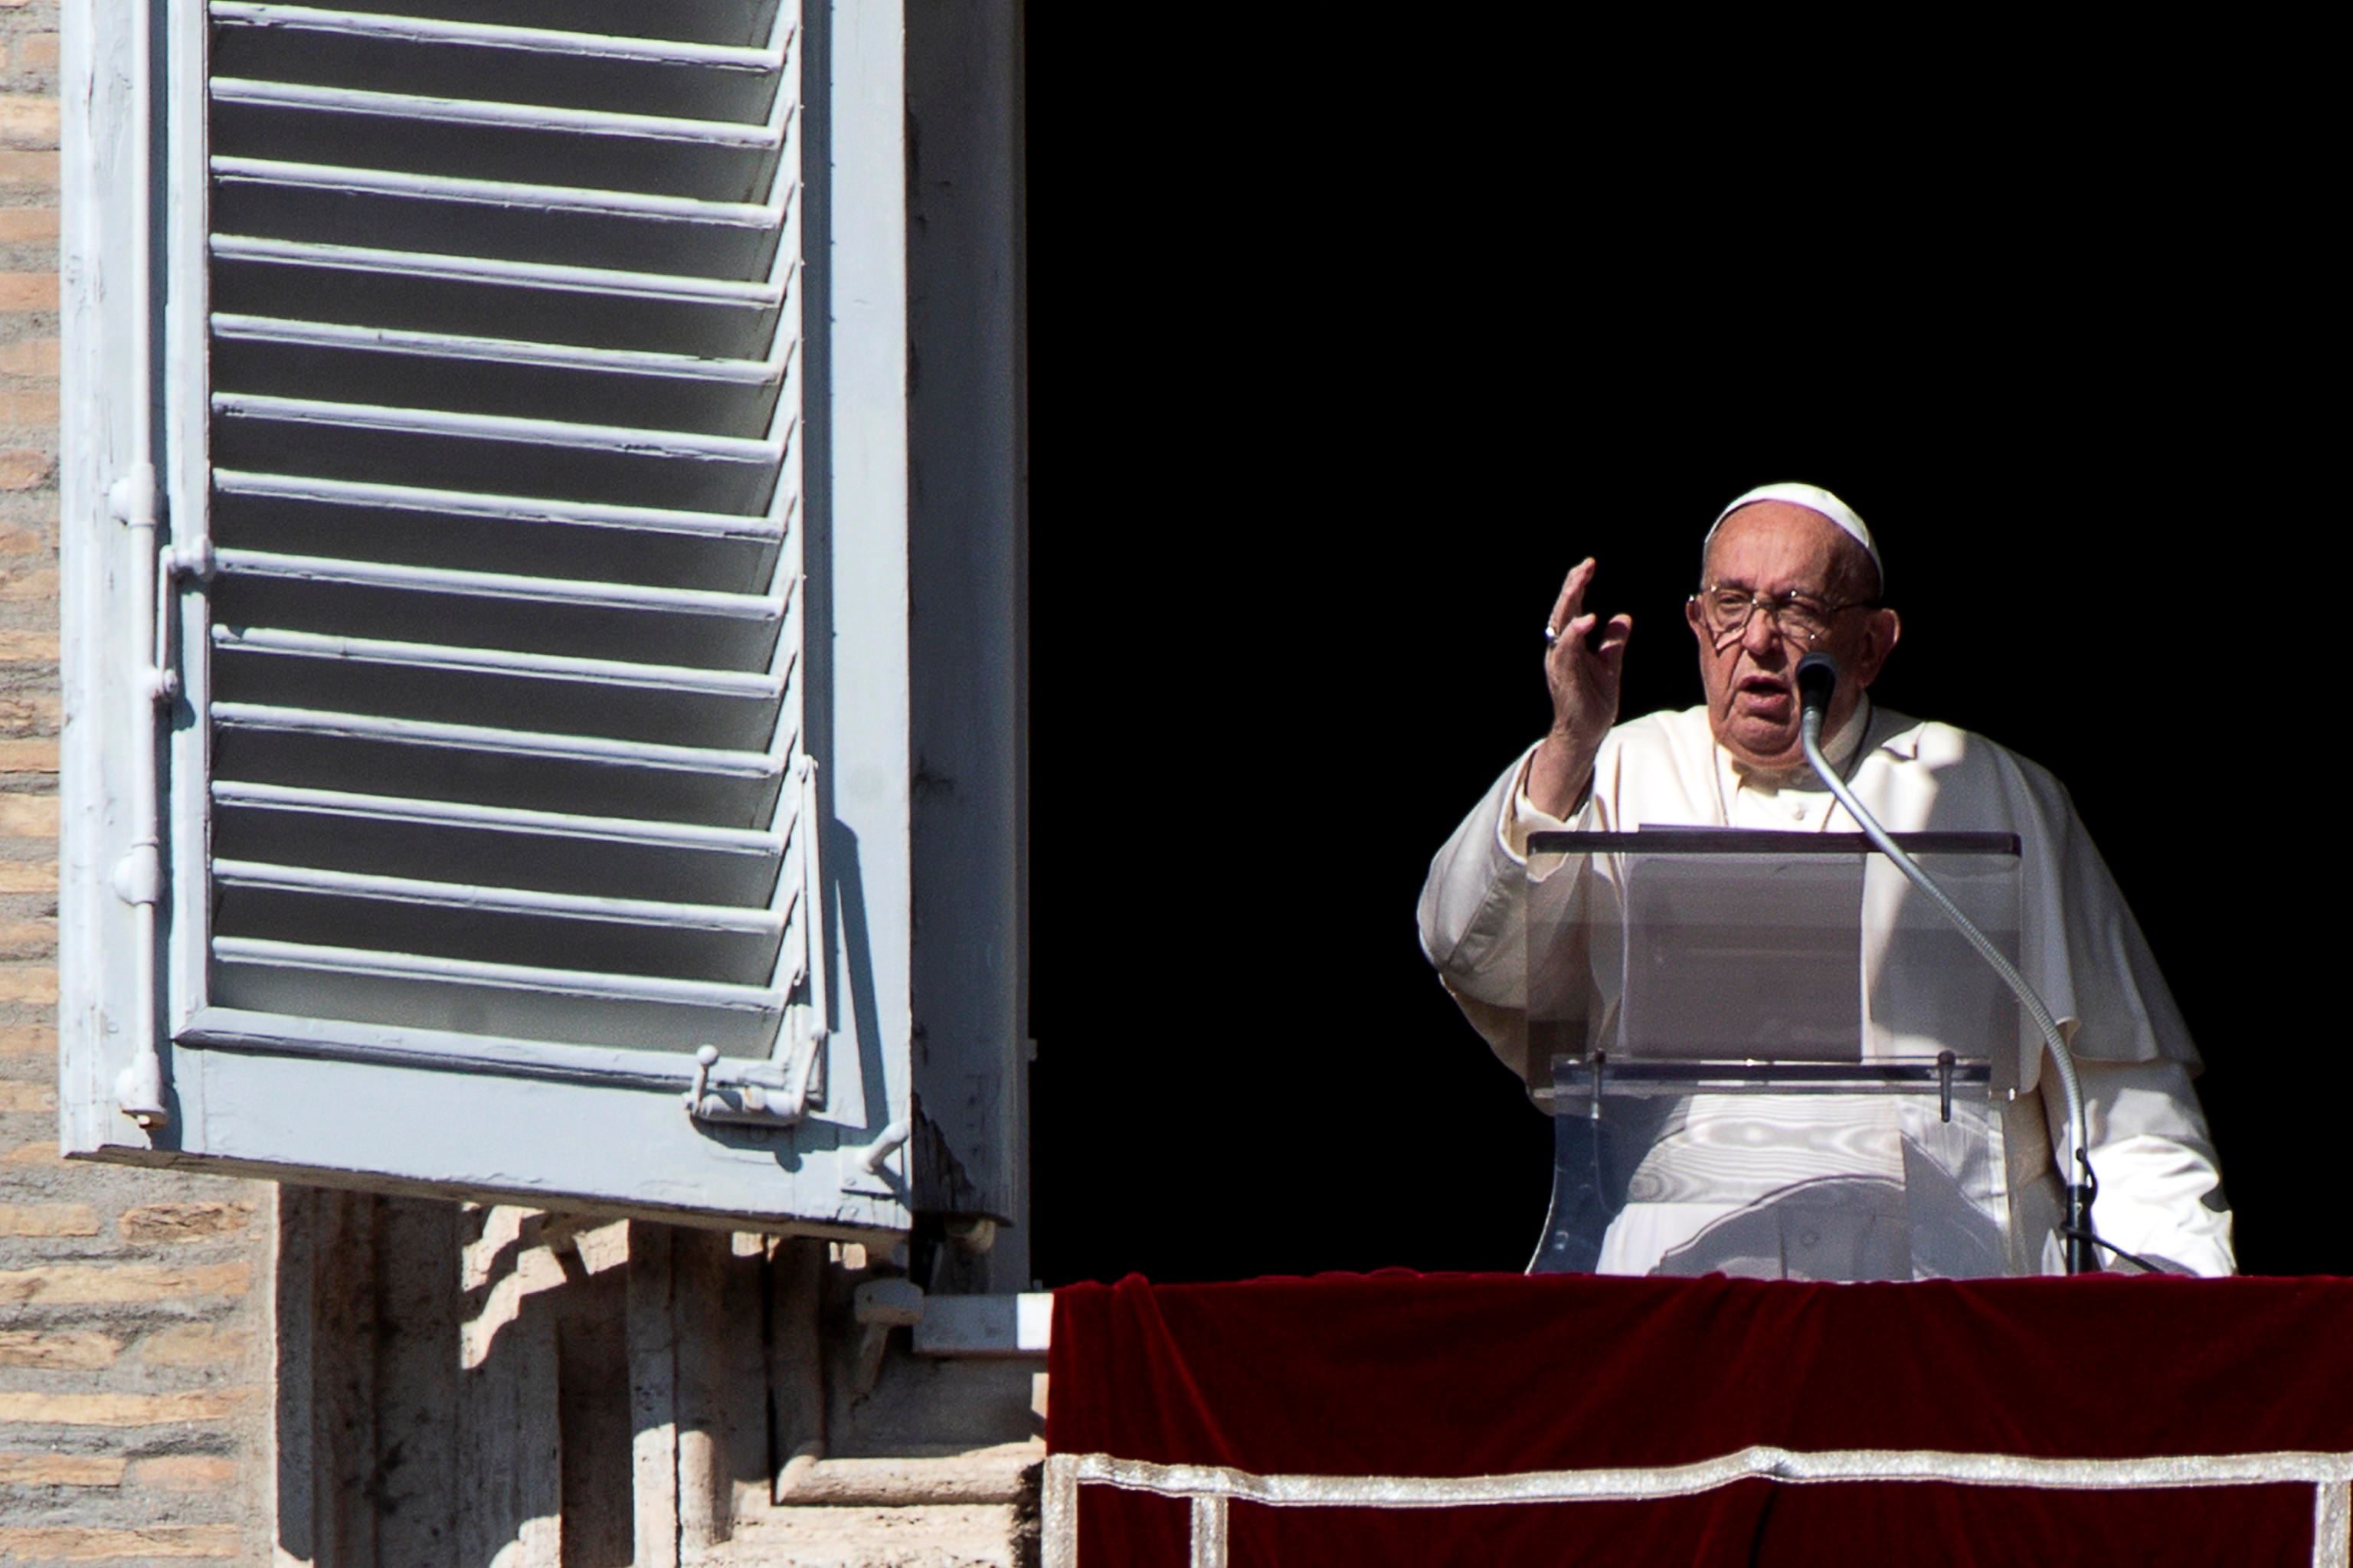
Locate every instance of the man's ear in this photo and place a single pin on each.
(1881, 631)
(1698, 628)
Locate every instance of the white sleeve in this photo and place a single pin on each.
(1474, 914)
(1523, 816)
(1474, 910)
(2160, 1191)
(1472, 899)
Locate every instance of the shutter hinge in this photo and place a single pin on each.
(131, 500)
(174, 566)
(138, 881)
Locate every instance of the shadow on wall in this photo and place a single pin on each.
(455, 1380)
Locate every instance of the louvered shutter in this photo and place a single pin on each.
(490, 822)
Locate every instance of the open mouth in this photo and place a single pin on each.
(1767, 696)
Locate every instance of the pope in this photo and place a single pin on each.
(1787, 569)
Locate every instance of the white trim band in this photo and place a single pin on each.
(2331, 1475)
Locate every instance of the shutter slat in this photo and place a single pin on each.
(496, 585)
(500, 900)
(578, 982)
(345, 181)
(602, 829)
(756, 294)
(552, 851)
(510, 742)
(500, 661)
(497, 508)
(721, 709)
(486, 998)
(416, 109)
(479, 35)
(494, 428)
(494, 350)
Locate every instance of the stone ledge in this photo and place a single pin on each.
(958, 1535)
(998, 1475)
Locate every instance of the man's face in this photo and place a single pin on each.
(1775, 547)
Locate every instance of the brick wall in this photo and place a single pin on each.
(134, 1348)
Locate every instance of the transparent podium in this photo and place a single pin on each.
(1770, 1056)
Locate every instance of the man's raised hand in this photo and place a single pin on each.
(1583, 682)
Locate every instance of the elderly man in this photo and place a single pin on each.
(1787, 569)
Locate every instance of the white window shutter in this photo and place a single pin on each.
(510, 591)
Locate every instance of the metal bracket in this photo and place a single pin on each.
(747, 1101)
(131, 498)
(139, 1090)
(138, 874)
(816, 964)
(195, 561)
(740, 1100)
(869, 1162)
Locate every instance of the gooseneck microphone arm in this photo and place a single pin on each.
(1817, 676)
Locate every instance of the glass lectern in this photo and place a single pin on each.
(1769, 1054)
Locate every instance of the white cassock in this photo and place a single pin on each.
(2159, 1192)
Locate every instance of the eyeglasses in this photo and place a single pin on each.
(1799, 616)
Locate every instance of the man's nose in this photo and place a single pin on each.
(1761, 634)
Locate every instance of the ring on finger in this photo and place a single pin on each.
(1552, 634)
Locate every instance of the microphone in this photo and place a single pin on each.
(1817, 678)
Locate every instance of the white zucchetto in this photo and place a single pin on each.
(1813, 498)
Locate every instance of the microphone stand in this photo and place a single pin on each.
(1816, 679)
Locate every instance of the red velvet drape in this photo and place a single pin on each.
(1402, 1374)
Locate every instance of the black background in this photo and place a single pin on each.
(1340, 357)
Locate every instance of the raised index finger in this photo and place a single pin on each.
(1571, 602)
